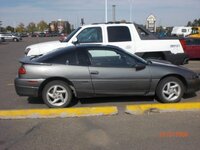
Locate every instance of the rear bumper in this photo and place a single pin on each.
(28, 87)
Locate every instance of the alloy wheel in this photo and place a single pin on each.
(171, 91)
(57, 95)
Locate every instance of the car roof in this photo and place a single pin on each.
(82, 46)
(95, 45)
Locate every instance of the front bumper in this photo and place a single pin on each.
(28, 87)
(193, 85)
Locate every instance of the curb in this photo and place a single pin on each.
(157, 108)
(61, 113)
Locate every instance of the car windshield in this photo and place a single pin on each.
(71, 35)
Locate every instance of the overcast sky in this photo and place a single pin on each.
(167, 12)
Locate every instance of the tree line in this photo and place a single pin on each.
(43, 26)
(37, 27)
(194, 23)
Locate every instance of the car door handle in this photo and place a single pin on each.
(94, 72)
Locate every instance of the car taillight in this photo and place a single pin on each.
(22, 70)
(183, 43)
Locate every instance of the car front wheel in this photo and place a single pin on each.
(170, 90)
(57, 94)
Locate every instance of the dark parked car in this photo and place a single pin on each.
(24, 34)
(42, 34)
(52, 34)
(96, 70)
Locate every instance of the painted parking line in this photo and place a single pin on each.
(148, 108)
(53, 113)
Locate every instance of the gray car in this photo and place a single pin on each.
(95, 71)
(10, 37)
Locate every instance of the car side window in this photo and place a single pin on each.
(110, 58)
(118, 34)
(83, 58)
(90, 35)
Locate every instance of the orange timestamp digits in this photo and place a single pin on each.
(178, 134)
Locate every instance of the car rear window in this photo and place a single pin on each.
(61, 56)
(67, 56)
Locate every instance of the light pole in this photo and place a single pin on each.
(131, 10)
(0, 25)
(114, 19)
(106, 11)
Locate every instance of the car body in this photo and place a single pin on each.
(99, 70)
(10, 37)
(192, 47)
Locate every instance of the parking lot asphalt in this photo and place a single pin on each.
(179, 131)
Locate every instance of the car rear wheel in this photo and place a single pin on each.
(57, 94)
(170, 90)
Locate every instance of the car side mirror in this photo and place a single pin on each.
(140, 66)
(75, 41)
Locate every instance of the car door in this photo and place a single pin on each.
(73, 66)
(115, 73)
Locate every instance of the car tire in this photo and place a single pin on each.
(170, 90)
(57, 94)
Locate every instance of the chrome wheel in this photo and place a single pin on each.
(171, 91)
(57, 95)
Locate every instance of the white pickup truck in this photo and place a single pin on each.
(131, 37)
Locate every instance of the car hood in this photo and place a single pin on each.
(45, 47)
(163, 63)
(171, 68)
(159, 61)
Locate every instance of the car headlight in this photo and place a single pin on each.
(27, 50)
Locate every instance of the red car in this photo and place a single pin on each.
(191, 47)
